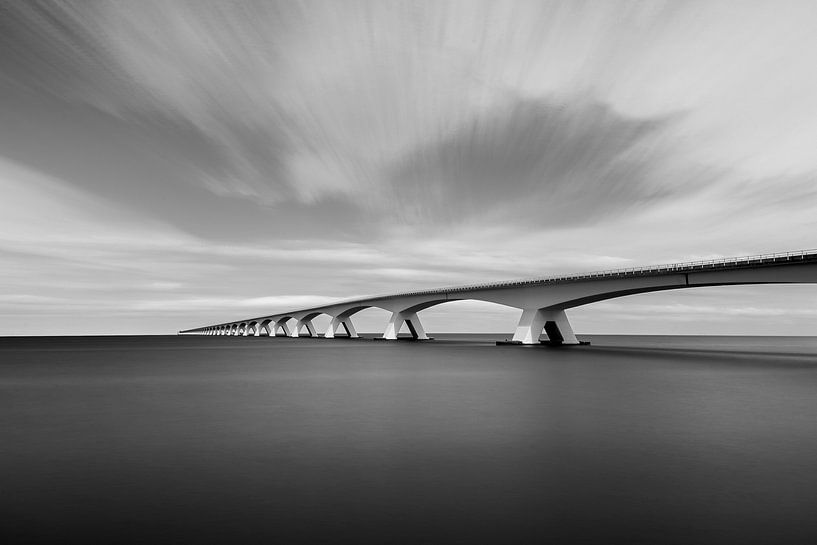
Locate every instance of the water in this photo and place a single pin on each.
(227, 440)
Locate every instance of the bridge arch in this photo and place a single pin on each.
(280, 323)
(543, 301)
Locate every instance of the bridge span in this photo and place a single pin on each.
(543, 301)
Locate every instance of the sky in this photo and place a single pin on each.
(167, 164)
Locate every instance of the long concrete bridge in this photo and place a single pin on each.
(543, 301)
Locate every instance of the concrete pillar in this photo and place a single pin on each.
(554, 322)
(337, 322)
(265, 329)
(410, 319)
(283, 327)
(300, 325)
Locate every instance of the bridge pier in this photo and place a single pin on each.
(282, 325)
(338, 322)
(553, 322)
(300, 325)
(411, 320)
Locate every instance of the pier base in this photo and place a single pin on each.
(411, 320)
(554, 322)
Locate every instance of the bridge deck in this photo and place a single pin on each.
(727, 263)
(722, 264)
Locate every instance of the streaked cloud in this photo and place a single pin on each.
(546, 162)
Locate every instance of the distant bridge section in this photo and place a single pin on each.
(543, 301)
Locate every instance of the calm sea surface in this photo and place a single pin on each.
(229, 440)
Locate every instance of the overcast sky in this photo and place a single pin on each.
(167, 164)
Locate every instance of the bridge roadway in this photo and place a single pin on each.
(543, 301)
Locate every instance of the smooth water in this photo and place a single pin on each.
(230, 440)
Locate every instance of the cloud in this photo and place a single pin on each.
(540, 162)
(266, 305)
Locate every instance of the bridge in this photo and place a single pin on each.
(543, 301)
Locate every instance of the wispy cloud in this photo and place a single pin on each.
(540, 162)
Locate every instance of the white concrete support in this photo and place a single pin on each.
(338, 322)
(266, 330)
(299, 327)
(555, 322)
(283, 327)
(257, 330)
(563, 326)
(410, 319)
